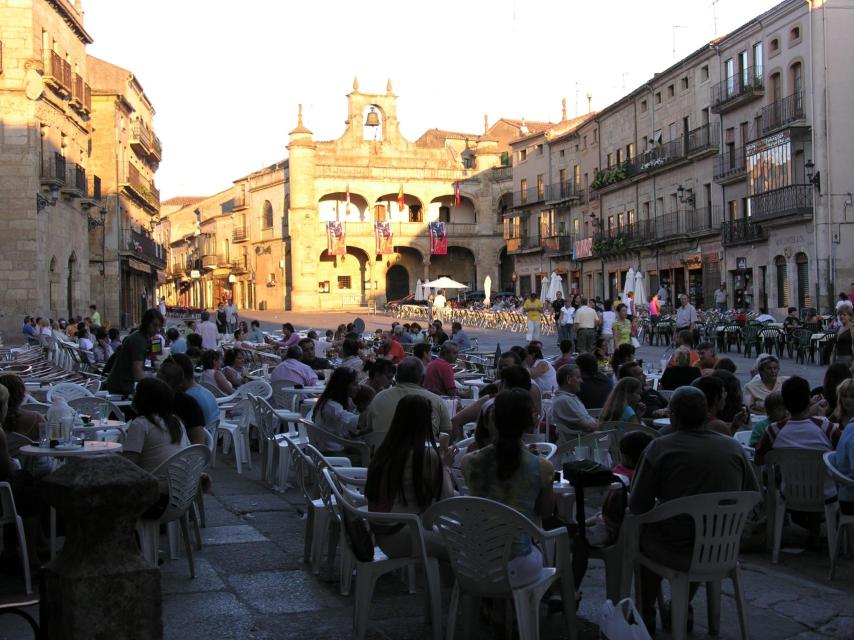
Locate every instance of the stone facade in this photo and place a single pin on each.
(273, 221)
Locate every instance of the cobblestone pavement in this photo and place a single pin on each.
(251, 583)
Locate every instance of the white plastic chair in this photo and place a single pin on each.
(67, 390)
(719, 520)
(367, 572)
(260, 388)
(844, 521)
(218, 393)
(479, 535)
(545, 449)
(284, 396)
(742, 438)
(320, 437)
(233, 431)
(182, 473)
(266, 422)
(8, 515)
(797, 481)
(91, 405)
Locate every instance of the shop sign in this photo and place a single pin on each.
(692, 260)
(136, 265)
(741, 264)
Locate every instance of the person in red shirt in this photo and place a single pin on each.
(439, 377)
(390, 349)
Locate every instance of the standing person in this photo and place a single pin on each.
(557, 305)
(842, 348)
(209, 332)
(231, 316)
(566, 320)
(622, 327)
(128, 366)
(609, 317)
(162, 306)
(662, 294)
(534, 312)
(439, 305)
(94, 316)
(630, 305)
(686, 316)
(221, 323)
(720, 298)
(586, 322)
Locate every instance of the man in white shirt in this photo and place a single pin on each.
(439, 305)
(566, 320)
(686, 315)
(208, 331)
(720, 298)
(231, 316)
(162, 306)
(764, 316)
(586, 321)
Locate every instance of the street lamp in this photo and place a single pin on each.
(813, 176)
(686, 196)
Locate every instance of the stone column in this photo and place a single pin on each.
(99, 586)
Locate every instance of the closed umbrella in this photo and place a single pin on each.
(630, 283)
(487, 289)
(555, 286)
(640, 289)
(544, 288)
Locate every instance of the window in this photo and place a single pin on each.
(539, 149)
(444, 215)
(523, 191)
(344, 282)
(561, 177)
(523, 155)
(704, 73)
(415, 213)
(267, 215)
(576, 175)
(643, 106)
(794, 35)
(595, 135)
(796, 77)
(584, 142)
(323, 287)
(782, 281)
(619, 157)
(729, 70)
(674, 203)
(611, 231)
(732, 210)
(685, 83)
(802, 266)
(621, 221)
(757, 60)
(630, 217)
(610, 160)
(541, 187)
(576, 226)
(671, 91)
(561, 153)
(674, 131)
(645, 211)
(775, 45)
(658, 97)
(630, 151)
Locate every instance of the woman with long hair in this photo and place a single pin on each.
(734, 402)
(20, 420)
(543, 374)
(212, 371)
(843, 413)
(842, 349)
(233, 367)
(624, 403)
(335, 410)
(833, 377)
(156, 433)
(407, 474)
(509, 473)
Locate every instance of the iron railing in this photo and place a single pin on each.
(144, 137)
(704, 138)
(53, 168)
(740, 231)
(144, 246)
(143, 187)
(76, 178)
(781, 113)
(238, 234)
(524, 242)
(566, 190)
(793, 200)
(745, 83)
(730, 164)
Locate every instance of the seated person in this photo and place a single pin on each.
(768, 379)
(234, 367)
(685, 338)
(775, 411)
(293, 370)
(203, 397)
(407, 474)
(310, 358)
(19, 420)
(194, 346)
(844, 461)
(351, 358)
(595, 385)
(713, 389)
(212, 372)
(568, 412)
(439, 376)
(708, 355)
(390, 348)
(565, 347)
(791, 321)
(654, 403)
(183, 406)
(680, 372)
(177, 342)
(725, 364)
(335, 410)
(624, 404)
(255, 334)
(380, 375)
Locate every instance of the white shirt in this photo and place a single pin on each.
(567, 315)
(162, 308)
(608, 318)
(630, 306)
(209, 333)
(321, 348)
(765, 317)
(439, 301)
(230, 313)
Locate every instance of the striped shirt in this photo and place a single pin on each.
(816, 433)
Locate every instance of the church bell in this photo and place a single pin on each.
(373, 120)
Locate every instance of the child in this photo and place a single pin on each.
(775, 411)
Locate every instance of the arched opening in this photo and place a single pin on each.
(387, 207)
(782, 281)
(396, 283)
(344, 279)
(444, 209)
(505, 262)
(267, 215)
(458, 264)
(333, 206)
(802, 264)
(69, 293)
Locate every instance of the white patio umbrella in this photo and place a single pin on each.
(544, 289)
(630, 283)
(487, 289)
(640, 289)
(419, 290)
(446, 283)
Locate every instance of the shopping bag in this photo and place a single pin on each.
(635, 342)
(622, 622)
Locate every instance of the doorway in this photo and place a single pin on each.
(69, 287)
(396, 283)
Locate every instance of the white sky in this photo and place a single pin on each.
(225, 77)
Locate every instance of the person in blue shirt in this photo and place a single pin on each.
(204, 398)
(460, 337)
(29, 328)
(255, 334)
(624, 404)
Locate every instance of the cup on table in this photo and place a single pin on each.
(66, 425)
(44, 439)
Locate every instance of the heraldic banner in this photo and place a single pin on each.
(384, 237)
(336, 244)
(438, 239)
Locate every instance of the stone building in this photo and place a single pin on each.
(733, 165)
(126, 258)
(46, 189)
(276, 245)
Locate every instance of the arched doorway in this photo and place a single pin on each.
(396, 283)
(69, 293)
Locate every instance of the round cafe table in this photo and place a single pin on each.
(98, 425)
(476, 385)
(89, 448)
(661, 422)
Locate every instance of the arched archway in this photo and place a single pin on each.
(458, 264)
(69, 300)
(343, 278)
(387, 208)
(396, 283)
(505, 205)
(444, 208)
(267, 215)
(333, 206)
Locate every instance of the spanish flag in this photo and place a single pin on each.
(400, 198)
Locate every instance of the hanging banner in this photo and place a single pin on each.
(438, 239)
(384, 238)
(335, 242)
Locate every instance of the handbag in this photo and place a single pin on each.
(586, 473)
(622, 621)
(360, 536)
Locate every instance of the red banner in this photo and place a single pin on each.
(336, 244)
(384, 238)
(438, 239)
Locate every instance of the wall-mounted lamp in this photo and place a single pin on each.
(94, 223)
(686, 196)
(813, 176)
(51, 199)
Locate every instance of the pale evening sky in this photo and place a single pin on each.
(225, 77)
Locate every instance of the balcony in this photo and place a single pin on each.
(239, 265)
(238, 234)
(561, 244)
(75, 181)
(782, 113)
(144, 142)
(524, 243)
(563, 191)
(531, 195)
(689, 223)
(143, 247)
(57, 74)
(142, 189)
(730, 166)
(239, 201)
(656, 159)
(53, 170)
(737, 90)
(502, 173)
(795, 200)
(704, 140)
(210, 261)
(741, 231)
(93, 196)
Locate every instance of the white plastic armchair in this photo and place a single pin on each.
(91, 405)
(367, 572)
(480, 535)
(8, 515)
(68, 390)
(260, 388)
(719, 520)
(182, 473)
(270, 442)
(843, 521)
(320, 438)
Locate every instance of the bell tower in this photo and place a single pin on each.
(372, 116)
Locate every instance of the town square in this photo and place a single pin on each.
(469, 328)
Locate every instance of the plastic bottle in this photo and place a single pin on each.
(58, 410)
